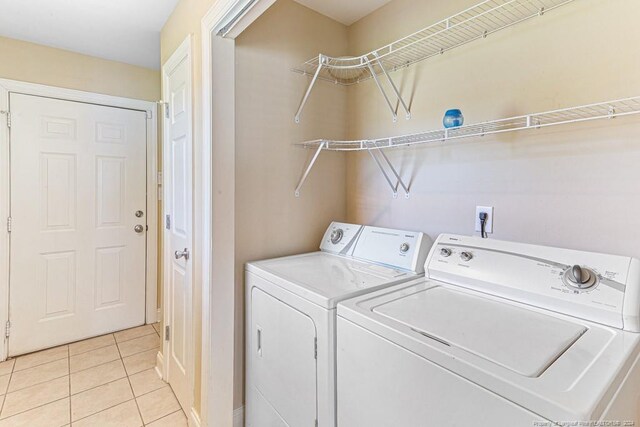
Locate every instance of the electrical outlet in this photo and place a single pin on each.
(489, 211)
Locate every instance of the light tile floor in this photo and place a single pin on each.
(100, 382)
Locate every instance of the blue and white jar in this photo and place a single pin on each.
(453, 118)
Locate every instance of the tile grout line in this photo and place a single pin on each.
(68, 357)
(41, 382)
(36, 407)
(40, 364)
(133, 393)
(102, 410)
(116, 342)
(69, 370)
(92, 388)
(121, 358)
(4, 398)
(168, 415)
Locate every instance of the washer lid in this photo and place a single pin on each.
(325, 279)
(523, 341)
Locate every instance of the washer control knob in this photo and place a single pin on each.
(404, 248)
(336, 235)
(579, 277)
(466, 256)
(445, 252)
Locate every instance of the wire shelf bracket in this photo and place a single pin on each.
(399, 181)
(475, 23)
(304, 176)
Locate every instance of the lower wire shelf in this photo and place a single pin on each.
(583, 113)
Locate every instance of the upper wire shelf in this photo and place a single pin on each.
(603, 110)
(471, 24)
(376, 147)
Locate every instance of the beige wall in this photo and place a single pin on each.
(270, 220)
(573, 186)
(35, 63)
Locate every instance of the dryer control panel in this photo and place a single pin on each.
(597, 287)
(340, 238)
(397, 249)
(402, 249)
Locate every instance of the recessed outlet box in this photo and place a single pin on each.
(489, 211)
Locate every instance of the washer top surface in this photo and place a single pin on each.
(324, 278)
(495, 331)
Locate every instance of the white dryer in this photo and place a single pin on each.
(290, 324)
(497, 334)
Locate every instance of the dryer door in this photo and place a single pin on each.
(283, 363)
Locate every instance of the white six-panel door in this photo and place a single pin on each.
(178, 183)
(78, 208)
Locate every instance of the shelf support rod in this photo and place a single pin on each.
(309, 166)
(384, 94)
(397, 175)
(395, 88)
(311, 84)
(394, 188)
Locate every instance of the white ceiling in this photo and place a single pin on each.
(120, 30)
(345, 11)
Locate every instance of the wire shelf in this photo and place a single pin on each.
(474, 23)
(603, 110)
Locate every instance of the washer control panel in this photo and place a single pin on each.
(597, 287)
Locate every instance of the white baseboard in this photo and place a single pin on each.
(238, 417)
(194, 418)
(159, 364)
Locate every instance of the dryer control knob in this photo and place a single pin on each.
(404, 248)
(336, 235)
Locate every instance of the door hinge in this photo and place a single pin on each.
(167, 222)
(149, 114)
(165, 105)
(7, 329)
(8, 224)
(167, 333)
(315, 348)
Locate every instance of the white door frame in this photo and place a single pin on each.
(182, 53)
(228, 19)
(13, 86)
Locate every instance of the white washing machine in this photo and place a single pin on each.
(290, 325)
(496, 334)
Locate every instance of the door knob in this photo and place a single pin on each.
(139, 228)
(182, 254)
